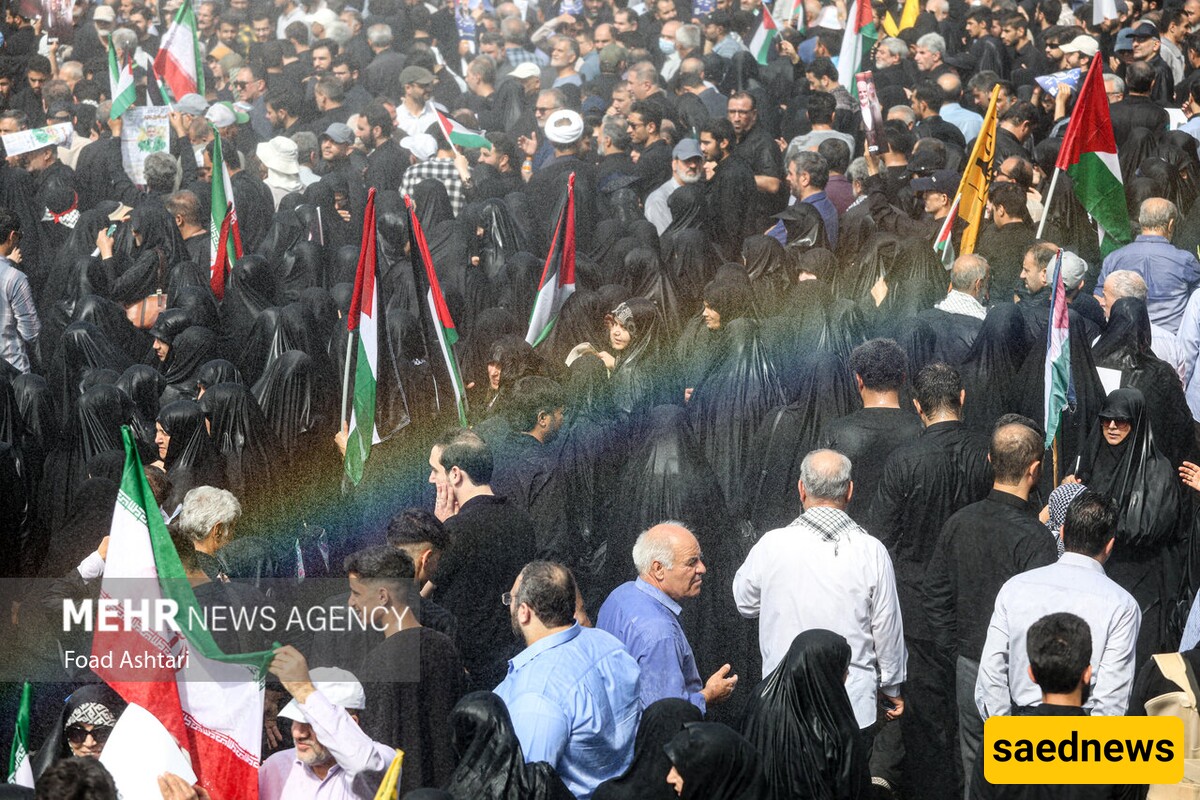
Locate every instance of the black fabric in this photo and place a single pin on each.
(989, 371)
(56, 747)
(867, 437)
(716, 763)
(192, 349)
(646, 778)
(490, 764)
(191, 459)
(800, 720)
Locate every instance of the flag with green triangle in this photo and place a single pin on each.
(120, 82)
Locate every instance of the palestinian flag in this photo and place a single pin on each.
(364, 318)
(760, 45)
(558, 277)
(461, 135)
(20, 771)
(436, 322)
(1058, 392)
(224, 236)
(212, 703)
(178, 62)
(1089, 156)
(943, 245)
(977, 178)
(120, 84)
(860, 26)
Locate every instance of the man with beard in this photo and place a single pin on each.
(730, 186)
(385, 161)
(572, 692)
(686, 161)
(644, 615)
(330, 746)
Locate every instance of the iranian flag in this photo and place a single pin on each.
(461, 135)
(1058, 392)
(364, 318)
(178, 61)
(558, 277)
(767, 32)
(168, 663)
(943, 245)
(860, 25)
(20, 771)
(436, 322)
(1089, 156)
(120, 83)
(224, 236)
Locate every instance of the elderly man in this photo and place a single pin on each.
(824, 571)
(1170, 273)
(1165, 344)
(686, 162)
(331, 750)
(573, 692)
(643, 615)
(929, 56)
(209, 516)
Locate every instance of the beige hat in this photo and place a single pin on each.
(526, 70)
(280, 155)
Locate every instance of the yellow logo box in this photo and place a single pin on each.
(1064, 750)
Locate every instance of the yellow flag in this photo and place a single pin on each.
(977, 178)
(390, 788)
(908, 18)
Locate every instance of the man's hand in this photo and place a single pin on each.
(528, 144)
(174, 787)
(291, 668)
(1189, 473)
(15, 255)
(446, 506)
(342, 437)
(720, 685)
(788, 51)
(710, 169)
(892, 706)
(103, 548)
(463, 166)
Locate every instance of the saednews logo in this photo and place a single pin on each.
(1066, 750)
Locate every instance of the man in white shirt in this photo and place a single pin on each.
(1076, 583)
(687, 162)
(416, 112)
(824, 571)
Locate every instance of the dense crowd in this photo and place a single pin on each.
(770, 512)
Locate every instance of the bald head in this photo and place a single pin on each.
(668, 557)
(1122, 283)
(825, 479)
(969, 274)
(1157, 216)
(1015, 453)
(951, 85)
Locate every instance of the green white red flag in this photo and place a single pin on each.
(767, 32)
(558, 276)
(210, 702)
(1059, 391)
(224, 236)
(436, 323)
(461, 135)
(943, 245)
(178, 62)
(364, 318)
(120, 83)
(20, 771)
(860, 26)
(1089, 156)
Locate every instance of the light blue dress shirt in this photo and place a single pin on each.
(1171, 274)
(966, 121)
(646, 621)
(573, 698)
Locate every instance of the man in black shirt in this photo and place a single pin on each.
(385, 161)
(923, 483)
(868, 436)
(653, 158)
(980, 548)
(1137, 110)
(490, 541)
(1146, 45)
(730, 189)
(927, 103)
(758, 149)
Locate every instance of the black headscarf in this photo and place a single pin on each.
(490, 326)
(217, 371)
(636, 384)
(83, 347)
(89, 521)
(91, 701)
(716, 763)
(192, 349)
(243, 435)
(1125, 346)
(36, 403)
(653, 281)
(144, 385)
(766, 264)
(1134, 473)
(990, 370)
(687, 208)
(145, 269)
(253, 288)
(646, 778)
(801, 721)
(192, 459)
(171, 323)
(490, 764)
(291, 400)
(200, 305)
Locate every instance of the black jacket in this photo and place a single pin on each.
(1136, 111)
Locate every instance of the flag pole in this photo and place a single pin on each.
(346, 379)
(1046, 202)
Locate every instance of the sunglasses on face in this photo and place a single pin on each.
(78, 735)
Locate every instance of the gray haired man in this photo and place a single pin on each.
(208, 518)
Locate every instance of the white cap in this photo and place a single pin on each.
(564, 126)
(323, 18)
(525, 70)
(220, 115)
(421, 145)
(338, 686)
(279, 154)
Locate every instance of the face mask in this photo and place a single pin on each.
(666, 46)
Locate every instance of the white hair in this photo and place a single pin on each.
(204, 508)
(825, 484)
(933, 42)
(648, 549)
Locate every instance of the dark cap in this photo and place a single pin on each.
(719, 17)
(1124, 41)
(943, 180)
(925, 162)
(416, 75)
(1145, 30)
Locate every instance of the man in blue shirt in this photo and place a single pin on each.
(573, 692)
(644, 613)
(1171, 273)
(807, 174)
